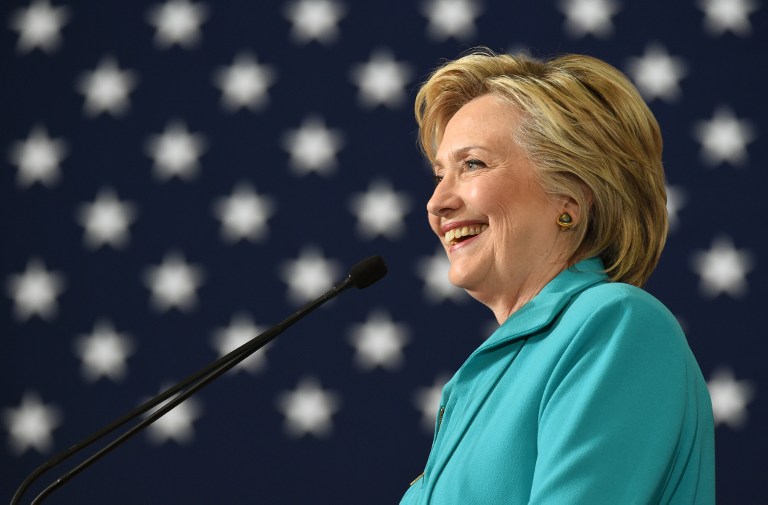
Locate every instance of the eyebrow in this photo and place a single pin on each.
(457, 154)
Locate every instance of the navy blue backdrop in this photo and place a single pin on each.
(176, 176)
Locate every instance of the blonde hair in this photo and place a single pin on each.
(589, 135)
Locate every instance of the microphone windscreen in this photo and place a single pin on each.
(368, 271)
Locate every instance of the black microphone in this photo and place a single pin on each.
(362, 275)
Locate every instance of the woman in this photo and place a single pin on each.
(550, 204)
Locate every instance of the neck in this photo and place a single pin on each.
(512, 296)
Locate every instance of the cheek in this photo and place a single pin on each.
(478, 194)
(500, 209)
(490, 195)
(515, 225)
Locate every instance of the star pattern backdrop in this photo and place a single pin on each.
(179, 175)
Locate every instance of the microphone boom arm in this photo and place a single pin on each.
(365, 273)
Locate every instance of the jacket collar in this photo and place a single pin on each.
(545, 306)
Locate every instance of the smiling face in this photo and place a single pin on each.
(496, 223)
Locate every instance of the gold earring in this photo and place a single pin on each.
(565, 221)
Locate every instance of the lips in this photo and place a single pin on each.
(460, 233)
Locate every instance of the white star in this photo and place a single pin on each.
(313, 147)
(728, 15)
(434, 272)
(39, 26)
(38, 158)
(308, 409)
(676, 200)
(657, 74)
(174, 283)
(176, 151)
(240, 331)
(309, 276)
(314, 20)
(106, 220)
(589, 17)
(104, 352)
(519, 50)
(30, 425)
(378, 342)
(34, 292)
(451, 18)
(729, 398)
(380, 211)
(244, 214)
(177, 22)
(381, 81)
(722, 269)
(244, 84)
(177, 424)
(427, 400)
(106, 89)
(724, 138)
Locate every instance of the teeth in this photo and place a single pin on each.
(452, 235)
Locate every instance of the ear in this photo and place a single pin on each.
(572, 207)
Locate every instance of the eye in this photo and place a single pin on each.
(437, 179)
(470, 165)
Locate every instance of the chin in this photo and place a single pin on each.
(461, 278)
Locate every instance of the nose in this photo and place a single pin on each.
(444, 199)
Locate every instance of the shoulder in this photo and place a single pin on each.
(624, 339)
(617, 317)
(631, 304)
(618, 293)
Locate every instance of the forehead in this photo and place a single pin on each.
(484, 105)
(487, 122)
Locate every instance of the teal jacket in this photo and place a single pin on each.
(588, 394)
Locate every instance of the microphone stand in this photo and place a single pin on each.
(186, 388)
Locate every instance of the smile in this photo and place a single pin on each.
(460, 234)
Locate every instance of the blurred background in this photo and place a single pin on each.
(179, 175)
